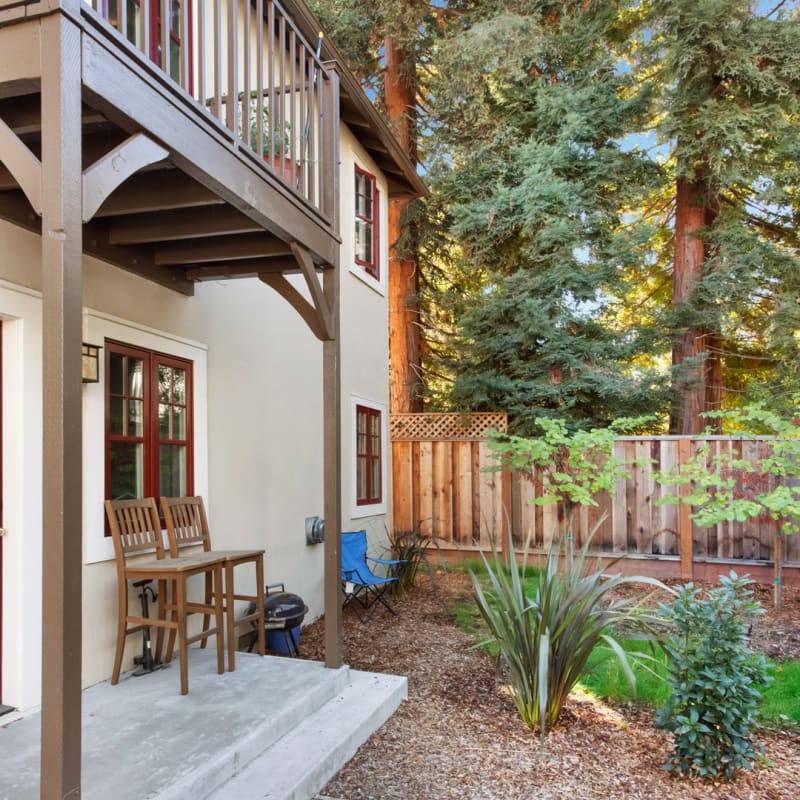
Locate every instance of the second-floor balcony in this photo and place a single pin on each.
(236, 98)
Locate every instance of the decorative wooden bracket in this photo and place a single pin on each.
(23, 165)
(317, 315)
(115, 167)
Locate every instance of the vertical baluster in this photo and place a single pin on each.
(292, 102)
(218, 59)
(299, 183)
(145, 10)
(311, 152)
(185, 48)
(201, 46)
(260, 77)
(282, 77)
(165, 7)
(271, 77)
(246, 90)
(233, 66)
(122, 17)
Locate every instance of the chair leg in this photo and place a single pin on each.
(218, 617)
(174, 612)
(207, 617)
(122, 625)
(261, 622)
(162, 616)
(180, 602)
(229, 616)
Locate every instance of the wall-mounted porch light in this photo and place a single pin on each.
(90, 371)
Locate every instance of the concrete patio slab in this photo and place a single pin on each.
(143, 739)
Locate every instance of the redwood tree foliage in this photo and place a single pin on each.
(624, 178)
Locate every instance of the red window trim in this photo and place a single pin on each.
(374, 494)
(150, 429)
(371, 267)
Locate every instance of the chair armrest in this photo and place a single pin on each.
(387, 560)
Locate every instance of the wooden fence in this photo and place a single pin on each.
(440, 482)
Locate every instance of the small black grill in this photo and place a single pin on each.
(283, 615)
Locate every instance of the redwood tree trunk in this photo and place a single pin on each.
(699, 389)
(404, 328)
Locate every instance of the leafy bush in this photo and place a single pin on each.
(712, 711)
(545, 640)
(412, 548)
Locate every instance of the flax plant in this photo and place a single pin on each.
(545, 640)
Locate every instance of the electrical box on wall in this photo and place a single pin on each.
(315, 530)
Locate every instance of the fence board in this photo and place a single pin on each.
(446, 484)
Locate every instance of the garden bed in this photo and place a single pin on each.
(458, 735)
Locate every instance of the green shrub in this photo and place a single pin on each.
(545, 638)
(712, 710)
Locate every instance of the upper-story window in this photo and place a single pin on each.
(134, 28)
(366, 222)
(148, 424)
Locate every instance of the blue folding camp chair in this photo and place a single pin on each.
(359, 582)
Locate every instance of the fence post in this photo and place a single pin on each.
(685, 545)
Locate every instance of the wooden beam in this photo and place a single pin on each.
(180, 224)
(62, 410)
(24, 116)
(246, 268)
(150, 192)
(309, 271)
(115, 167)
(224, 248)
(22, 164)
(332, 473)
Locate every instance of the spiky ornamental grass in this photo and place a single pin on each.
(545, 640)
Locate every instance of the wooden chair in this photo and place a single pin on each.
(136, 531)
(187, 524)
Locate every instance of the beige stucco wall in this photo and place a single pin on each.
(258, 426)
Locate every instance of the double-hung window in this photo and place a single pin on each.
(368, 456)
(366, 222)
(148, 423)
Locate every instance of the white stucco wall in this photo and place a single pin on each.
(365, 347)
(257, 425)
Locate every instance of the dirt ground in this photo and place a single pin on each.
(458, 735)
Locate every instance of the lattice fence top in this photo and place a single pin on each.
(445, 427)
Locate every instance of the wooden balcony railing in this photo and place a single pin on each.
(248, 65)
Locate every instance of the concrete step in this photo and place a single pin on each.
(303, 761)
(230, 748)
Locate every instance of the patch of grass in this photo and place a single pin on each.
(780, 707)
(604, 677)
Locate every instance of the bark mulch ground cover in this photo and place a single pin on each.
(458, 736)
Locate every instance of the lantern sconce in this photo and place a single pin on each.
(90, 371)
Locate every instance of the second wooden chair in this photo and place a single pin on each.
(187, 524)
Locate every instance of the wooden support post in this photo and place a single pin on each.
(62, 409)
(332, 459)
(685, 542)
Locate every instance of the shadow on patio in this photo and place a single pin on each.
(274, 728)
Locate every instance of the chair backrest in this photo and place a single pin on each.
(135, 528)
(354, 550)
(186, 521)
